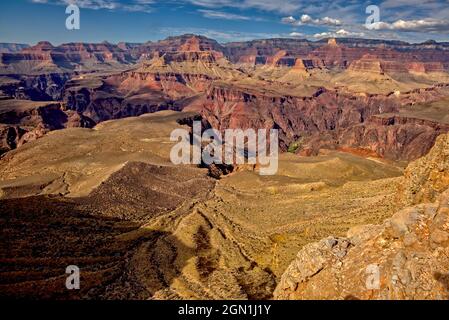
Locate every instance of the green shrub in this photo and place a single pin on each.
(295, 146)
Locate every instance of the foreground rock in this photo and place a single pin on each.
(427, 177)
(407, 257)
(410, 250)
(22, 121)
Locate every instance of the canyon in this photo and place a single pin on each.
(305, 89)
(85, 166)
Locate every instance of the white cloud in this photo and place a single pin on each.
(288, 20)
(342, 33)
(222, 15)
(423, 25)
(305, 19)
(297, 35)
(132, 6)
(408, 19)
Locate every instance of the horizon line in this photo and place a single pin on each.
(305, 39)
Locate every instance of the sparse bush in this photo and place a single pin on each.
(295, 146)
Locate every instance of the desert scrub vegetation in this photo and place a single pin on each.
(295, 146)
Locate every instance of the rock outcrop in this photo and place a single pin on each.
(368, 63)
(427, 177)
(407, 257)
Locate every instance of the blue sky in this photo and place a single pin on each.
(29, 21)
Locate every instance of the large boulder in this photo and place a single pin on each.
(405, 258)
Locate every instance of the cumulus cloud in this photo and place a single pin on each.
(305, 19)
(342, 33)
(297, 35)
(413, 20)
(423, 25)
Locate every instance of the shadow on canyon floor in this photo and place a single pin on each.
(41, 236)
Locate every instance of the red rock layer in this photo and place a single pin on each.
(374, 64)
(22, 125)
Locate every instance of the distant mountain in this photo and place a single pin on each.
(46, 58)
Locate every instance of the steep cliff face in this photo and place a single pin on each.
(129, 94)
(395, 138)
(91, 52)
(102, 105)
(333, 55)
(189, 56)
(43, 87)
(23, 121)
(427, 177)
(329, 119)
(166, 82)
(187, 42)
(281, 58)
(9, 137)
(404, 258)
(258, 51)
(226, 107)
(391, 64)
(368, 63)
(426, 67)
